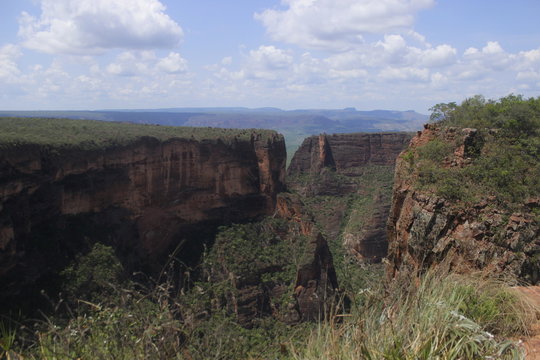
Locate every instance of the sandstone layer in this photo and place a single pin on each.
(146, 199)
(347, 179)
(347, 153)
(425, 229)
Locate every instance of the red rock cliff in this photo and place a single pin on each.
(146, 198)
(346, 153)
(349, 180)
(425, 229)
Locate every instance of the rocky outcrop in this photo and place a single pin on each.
(425, 229)
(316, 280)
(348, 178)
(280, 267)
(347, 153)
(146, 199)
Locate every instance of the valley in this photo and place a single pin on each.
(195, 243)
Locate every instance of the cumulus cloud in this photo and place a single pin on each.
(264, 63)
(338, 24)
(173, 64)
(93, 26)
(146, 63)
(531, 56)
(405, 73)
(270, 58)
(8, 62)
(440, 55)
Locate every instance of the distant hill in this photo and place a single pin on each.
(295, 125)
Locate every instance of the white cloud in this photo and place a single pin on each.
(491, 57)
(146, 63)
(265, 63)
(93, 26)
(8, 65)
(226, 60)
(126, 64)
(338, 24)
(405, 73)
(528, 76)
(532, 56)
(270, 58)
(439, 56)
(173, 64)
(492, 47)
(393, 43)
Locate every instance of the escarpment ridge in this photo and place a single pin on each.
(145, 190)
(456, 201)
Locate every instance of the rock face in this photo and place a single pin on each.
(425, 229)
(146, 199)
(347, 153)
(347, 178)
(316, 280)
(280, 267)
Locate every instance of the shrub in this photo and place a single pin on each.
(435, 150)
(425, 318)
(93, 276)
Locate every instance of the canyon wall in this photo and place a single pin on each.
(146, 199)
(479, 232)
(347, 181)
(280, 267)
(347, 153)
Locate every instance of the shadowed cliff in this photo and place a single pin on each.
(148, 191)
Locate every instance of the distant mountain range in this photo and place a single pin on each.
(295, 125)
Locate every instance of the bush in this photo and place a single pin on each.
(493, 306)
(504, 161)
(430, 317)
(435, 150)
(93, 276)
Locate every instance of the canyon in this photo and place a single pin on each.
(154, 200)
(147, 200)
(347, 181)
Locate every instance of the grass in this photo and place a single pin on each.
(94, 134)
(434, 316)
(426, 318)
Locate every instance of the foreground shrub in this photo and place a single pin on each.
(136, 327)
(435, 317)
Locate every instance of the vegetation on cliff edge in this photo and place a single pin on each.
(501, 159)
(95, 135)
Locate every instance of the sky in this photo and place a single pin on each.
(291, 54)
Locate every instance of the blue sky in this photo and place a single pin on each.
(368, 54)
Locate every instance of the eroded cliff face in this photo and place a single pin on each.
(279, 267)
(425, 229)
(347, 153)
(316, 281)
(347, 179)
(146, 199)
